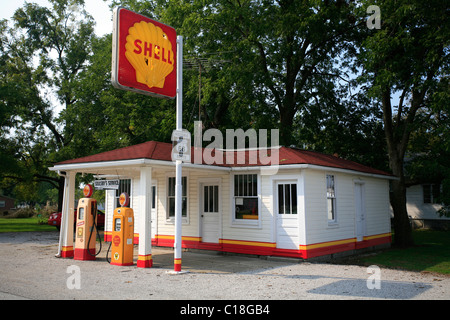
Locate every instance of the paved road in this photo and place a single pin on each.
(30, 270)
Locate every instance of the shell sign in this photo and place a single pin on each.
(144, 55)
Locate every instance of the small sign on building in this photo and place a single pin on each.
(181, 145)
(106, 184)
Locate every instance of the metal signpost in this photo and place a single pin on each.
(179, 163)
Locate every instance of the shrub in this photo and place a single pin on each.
(22, 213)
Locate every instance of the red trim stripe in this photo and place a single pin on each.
(83, 254)
(67, 252)
(269, 248)
(145, 261)
(177, 264)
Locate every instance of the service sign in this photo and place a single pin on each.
(144, 55)
(106, 184)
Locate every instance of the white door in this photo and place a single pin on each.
(154, 214)
(210, 212)
(360, 211)
(287, 228)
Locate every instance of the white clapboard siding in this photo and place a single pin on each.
(109, 208)
(377, 206)
(417, 209)
(318, 228)
(135, 202)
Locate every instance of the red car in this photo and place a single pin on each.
(55, 219)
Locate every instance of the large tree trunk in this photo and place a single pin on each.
(402, 227)
(396, 149)
(286, 123)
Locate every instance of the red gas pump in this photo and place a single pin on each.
(86, 227)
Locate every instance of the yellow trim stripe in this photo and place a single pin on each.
(68, 248)
(145, 258)
(383, 235)
(248, 243)
(177, 261)
(198, 239)
(326, 244)
(340, 242)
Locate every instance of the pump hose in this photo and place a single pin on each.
(98, 236)
(107, 253)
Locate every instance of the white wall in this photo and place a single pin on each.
(377, 206)
(313, 221)
(419, 210)
(318, 229)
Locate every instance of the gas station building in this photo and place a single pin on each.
(314, 205)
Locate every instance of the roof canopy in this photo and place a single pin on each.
(161, 152)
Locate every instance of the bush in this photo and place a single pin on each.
(22, 213)
(46, 211)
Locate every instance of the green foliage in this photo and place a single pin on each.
(405, 70)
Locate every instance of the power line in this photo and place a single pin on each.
(203, 64)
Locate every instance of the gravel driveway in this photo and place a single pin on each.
(30, 270)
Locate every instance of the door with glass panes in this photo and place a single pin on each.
(210, 212)
(287, 228)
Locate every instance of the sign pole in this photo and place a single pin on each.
(179, 170)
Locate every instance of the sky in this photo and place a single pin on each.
(98, 9)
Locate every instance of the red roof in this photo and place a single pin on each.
(287, 156)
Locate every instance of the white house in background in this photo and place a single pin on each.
(314, 205)
(422, 206)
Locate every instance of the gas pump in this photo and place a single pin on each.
(86, 227)
(123, 233)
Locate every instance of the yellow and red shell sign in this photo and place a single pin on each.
(88, 190)
(144, 55)
(124, 199)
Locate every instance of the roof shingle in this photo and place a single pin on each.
(162, 151)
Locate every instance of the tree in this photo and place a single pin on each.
(406, 68)
(273, 54)
(45, 51)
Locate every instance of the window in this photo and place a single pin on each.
(246, 196)
(81, 214)
(331, 198)
(431, 193)
(124, 186)
(211, 199)
(2, 204)
(171, 197)
(287, 198)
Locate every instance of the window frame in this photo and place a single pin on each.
(119, 191)
(293, 198)
(171, 219)
(250, 223)
(331, 198)
(433, 188)
(210, 200)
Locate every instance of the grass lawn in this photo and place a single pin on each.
(431, 253)
(23, 224)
